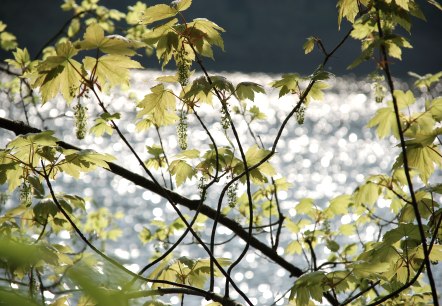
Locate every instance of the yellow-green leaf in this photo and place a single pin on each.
(113, 44)
(246, 90)
(181, 5)
(111, 68)
(309, 45)
(347, 9)
(385, 121)
(182, 171)
(366, 194)
(424, 159)
(159, 106)
(59, 74)
(157, 12)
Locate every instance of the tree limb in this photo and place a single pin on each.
(21, 128)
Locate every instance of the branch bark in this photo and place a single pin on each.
(21, 128)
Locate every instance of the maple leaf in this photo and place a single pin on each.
(112, 44)
(59, 74)
(111, 68)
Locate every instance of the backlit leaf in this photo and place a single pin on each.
(347, 9)
(385, 121)
(159, 106)
(404, 99)
(288, 84)
(157, 12)
(111, 68)
(436, 109)
(113, 44)
(182, 171)
(422, 159)
(309, 45)
(366, 194)
(181, 5)
(59, 74)
(246, 90)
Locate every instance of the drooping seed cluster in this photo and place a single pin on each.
(379, 89)
(232, 194)
(201, 186)
(25, 193)
(181, 131)
(300, 114)
(80, 116)
(225, 122)
(183, 66)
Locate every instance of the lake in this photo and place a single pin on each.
(328, 155)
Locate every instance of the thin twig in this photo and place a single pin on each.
(386, 68)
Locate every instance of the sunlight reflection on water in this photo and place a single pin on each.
(326, 156)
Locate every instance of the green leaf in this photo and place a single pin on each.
(422, 159)
(363, 28)
(288, 84)
(205, 33)
(181, 5)
(182, 171)
(370, 269)
(347, 229)
(157, 12)
(246, 90)
(111, 68)
(403, 4)
(435, 254)
(385, 121)
(435, 3)
(87, 281)
(44, 138)
(37, 186)
(159, 106)
(436, 109)
(12, 297)
(402, 231)
(102, 126)
(394, 46)
(155, 150)
(367, 194)
(59, 74)
(338, 205)
(305, 206)
(309, 45)
(256, 113)
(310, 284)
(315, 92)
(332, 245)
(294, 247)
(404, 99)
(83, 161)
(188, 154)
(113, 44)
(21, 58)
(426, 81)
(222, 84)
(347, 9)
(145, 235)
